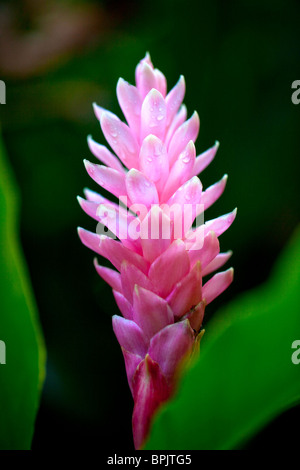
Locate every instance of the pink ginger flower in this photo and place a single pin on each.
(160, 258)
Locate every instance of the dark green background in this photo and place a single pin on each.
(239, 59)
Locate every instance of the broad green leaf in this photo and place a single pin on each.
(245, 376)
(22, 349)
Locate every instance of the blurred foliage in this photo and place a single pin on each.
(22, 373)
(239, 59)
(244, 376)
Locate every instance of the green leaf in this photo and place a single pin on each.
(22, 370)
(245, 376)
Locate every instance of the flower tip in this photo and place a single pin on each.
(147, 58)
(80, 200)
(179, 242)
(124, 264)
(81, 232)
(196, 120)
(194, 183)
(88, 193)
(145, 67)
(91, 168)
(121, 86)
(91, 143)
(136, 290)
(190, 148)
(213, 234)
(98, 110)
(155, 94)
(217, 144)
(133, 173)
(151, 139)
(181, 82)
(148, 363)
(228, 275)
(88, 165)
(120, 81)
(232, 215)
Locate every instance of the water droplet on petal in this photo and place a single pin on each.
(114, 133)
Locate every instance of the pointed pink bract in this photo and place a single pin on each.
(158, 254)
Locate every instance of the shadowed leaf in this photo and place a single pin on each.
(21, 377)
